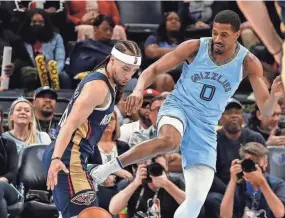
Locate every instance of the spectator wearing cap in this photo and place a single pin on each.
(23, 126)
(144, 121)
(44, 105)
(229, 141)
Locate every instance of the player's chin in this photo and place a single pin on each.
(219, 51)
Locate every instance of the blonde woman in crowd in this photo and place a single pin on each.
(22, 126)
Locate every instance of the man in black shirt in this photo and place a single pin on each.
(229, 140)
(45, 105)
(160, 198)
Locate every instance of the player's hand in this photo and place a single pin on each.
(134, 101)
(140, 175)
(274, 140)
(55, 167)
(277, 90)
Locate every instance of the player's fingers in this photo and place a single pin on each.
(131, 105)
(49, 180)
(128, 103)
(63, 167)
(54, 180)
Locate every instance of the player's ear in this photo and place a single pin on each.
(238, 34)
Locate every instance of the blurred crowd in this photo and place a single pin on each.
(79, 35)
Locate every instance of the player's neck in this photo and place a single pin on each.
(226, 55)
(108, 72)
(232, 136)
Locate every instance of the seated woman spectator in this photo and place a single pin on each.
(87, 54)
(22, 126)
(8, 173)
(109, 148)
(40, 39)
(83, 13)
(169, 35)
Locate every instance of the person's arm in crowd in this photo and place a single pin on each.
(152, 49)
(266, 102)
(275, 204)
(262, 25)
(12, 155)
(164, 182)
(227, 205)
(174, 162)
(115, 12)
(73, 19)
(175, 192)
(120, 200)
(59, 53)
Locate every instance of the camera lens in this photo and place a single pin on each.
(248, 165)
(155, 169)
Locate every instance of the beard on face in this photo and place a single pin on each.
(144, 118)
(47, 113)
(233, 128)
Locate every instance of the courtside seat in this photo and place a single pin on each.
(276, 159)
(32, 174)
(140, 16)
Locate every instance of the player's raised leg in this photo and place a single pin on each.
(170, 132)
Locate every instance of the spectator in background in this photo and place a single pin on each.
(259, 194)
(87, 54)
(169, 35)
(200, 14)
(140, 135)
(44, 105)
(40, 39)
(8, 173)
(23, 126)
(83, 14)
(144, 123)
(229, 141)
(108, 148)
(268, 126)
(159, 198)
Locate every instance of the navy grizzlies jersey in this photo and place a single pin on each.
(90, 132)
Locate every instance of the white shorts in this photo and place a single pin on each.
(173, 121)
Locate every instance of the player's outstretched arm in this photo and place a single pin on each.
(265, 101)
(183, 52)
(93, 94)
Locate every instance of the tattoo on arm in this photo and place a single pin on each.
(249, 59)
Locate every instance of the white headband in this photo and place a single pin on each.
(128, 59)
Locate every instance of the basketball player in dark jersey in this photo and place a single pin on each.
(82, 126)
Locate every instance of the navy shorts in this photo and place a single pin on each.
(74, 191)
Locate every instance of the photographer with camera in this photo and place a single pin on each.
(251, 192)
(152, 193)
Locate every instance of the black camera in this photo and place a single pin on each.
(153, 169)
(248, 165)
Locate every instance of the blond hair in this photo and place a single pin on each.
(32, 127)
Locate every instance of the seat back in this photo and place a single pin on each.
(140, 14)
(277, 161)
(31, 171)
